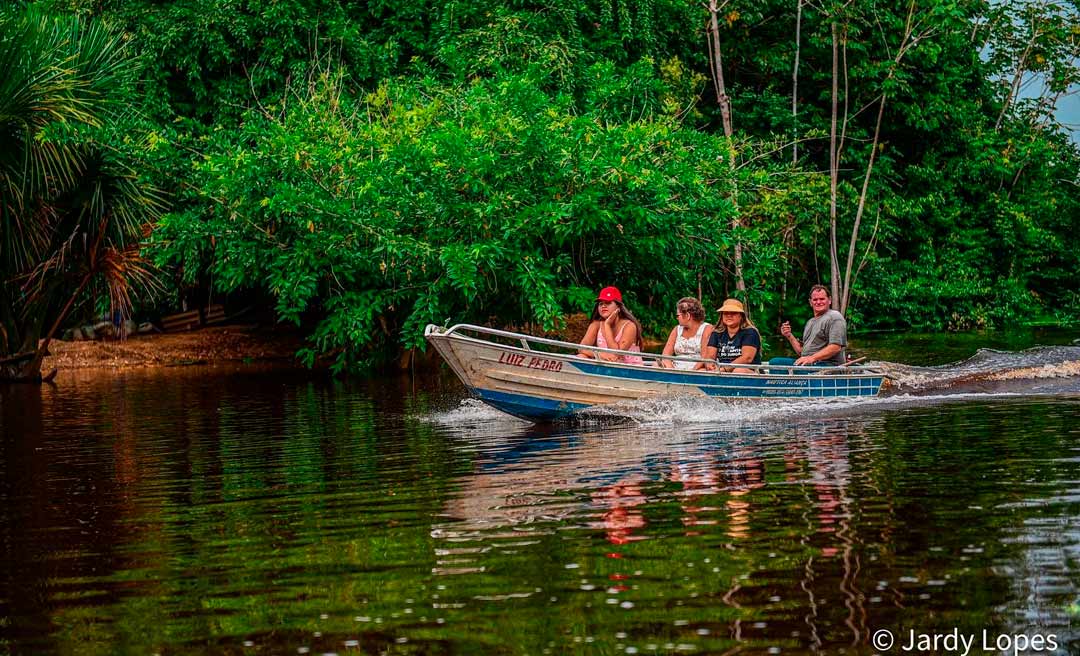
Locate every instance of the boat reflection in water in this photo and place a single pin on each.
(189, 511)
(692, 517)
(807, 534)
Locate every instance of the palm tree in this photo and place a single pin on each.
(72, 213)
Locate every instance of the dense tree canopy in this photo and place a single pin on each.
(375, 165)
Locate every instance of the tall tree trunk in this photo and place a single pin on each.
(1021, 65)
(1014, 88)
(725, 114)
(718, 67)
(834, 169)
(795, 86)
(859, 211)
(32, 369)
(906, 43)
(794, 140)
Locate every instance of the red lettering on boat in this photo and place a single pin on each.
(534, 362)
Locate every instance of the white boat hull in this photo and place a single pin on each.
(542, 386)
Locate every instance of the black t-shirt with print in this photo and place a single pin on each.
(728, 348)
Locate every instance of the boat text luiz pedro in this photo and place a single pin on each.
(542, 379)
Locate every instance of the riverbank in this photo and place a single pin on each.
(215, 345)
(249, 343)
(229, 344)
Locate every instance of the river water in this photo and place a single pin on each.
(243, 510)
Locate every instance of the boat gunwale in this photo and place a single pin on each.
(832, 373)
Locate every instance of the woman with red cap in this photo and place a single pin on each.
(613, 327)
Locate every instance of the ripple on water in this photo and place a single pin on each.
(472, 413)
(232, 515)
(989, 365)
(473, 418)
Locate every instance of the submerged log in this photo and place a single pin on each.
(18, 374)
(16, 369)
(17, 358)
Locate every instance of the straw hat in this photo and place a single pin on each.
(732, 305)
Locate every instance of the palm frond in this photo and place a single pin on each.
(56, 74)
(72, 216)
(124, 272)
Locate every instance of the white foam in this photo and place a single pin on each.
(472, 411)
(692, 410)
(990, 364)
(1059, 370)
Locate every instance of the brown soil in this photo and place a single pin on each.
(223, 344)
(214, 345)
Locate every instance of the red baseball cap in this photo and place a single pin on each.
(610, 294)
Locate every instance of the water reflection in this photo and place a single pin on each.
(238, 510)
(813, 508)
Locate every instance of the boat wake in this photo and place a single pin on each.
(740, 414)
(694, 412)
(472, 416)
(677, 410)
(989, 374)
(1039, 370)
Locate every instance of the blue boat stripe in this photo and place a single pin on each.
(525, 406)
(559, 408)
(728, 382)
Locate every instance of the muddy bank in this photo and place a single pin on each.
(232, 344)
(216, 345)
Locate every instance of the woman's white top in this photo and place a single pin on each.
(689, 347)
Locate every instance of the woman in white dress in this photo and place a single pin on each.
(688, 339)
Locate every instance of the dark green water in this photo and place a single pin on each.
(243, 511)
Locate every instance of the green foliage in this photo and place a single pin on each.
(73, 209)
(422, 202)
(972, 216)
(496, 161)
